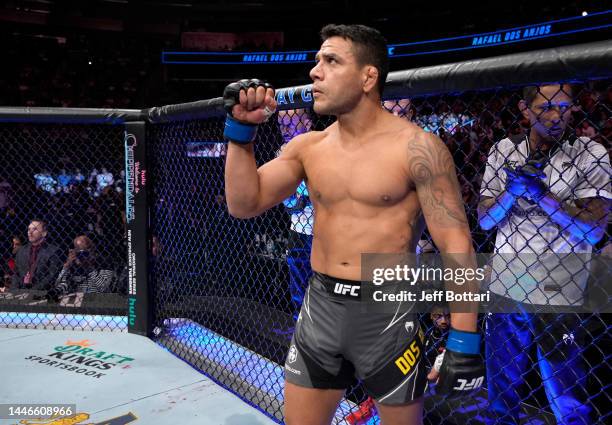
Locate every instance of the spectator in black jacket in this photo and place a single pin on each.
(37, 263)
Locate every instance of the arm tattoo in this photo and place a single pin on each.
(433, 171)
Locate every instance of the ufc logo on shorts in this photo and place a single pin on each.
(465, 386)
(344, 289)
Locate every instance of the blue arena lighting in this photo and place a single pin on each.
(573, 18)
(68, 321)
(262, 373)
(246, 365)
(556, 28)
(504, 43)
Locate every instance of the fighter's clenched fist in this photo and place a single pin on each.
(248, 103)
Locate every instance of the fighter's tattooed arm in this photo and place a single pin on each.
(431, 168)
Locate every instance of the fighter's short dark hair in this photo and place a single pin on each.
(370, 47)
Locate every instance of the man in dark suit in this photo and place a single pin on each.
(38, 263)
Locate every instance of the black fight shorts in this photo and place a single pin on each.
(336, 340)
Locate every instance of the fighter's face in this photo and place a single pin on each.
(550, 111)
(337, 77)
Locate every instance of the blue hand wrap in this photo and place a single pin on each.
(463, 342)
(239, 132)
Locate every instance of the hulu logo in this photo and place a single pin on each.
(132, 311)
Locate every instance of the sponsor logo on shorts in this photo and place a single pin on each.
(293, 353)
(292, 370)
(464, 385)
(409, 326)
(409, 358)
(344, 289)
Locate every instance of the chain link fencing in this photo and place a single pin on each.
(546, 367)
(243, 280)
(227, 291)
(62, 226)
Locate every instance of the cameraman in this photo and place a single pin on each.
(81, 271)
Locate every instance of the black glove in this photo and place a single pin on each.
(231, 94)
(526, 181)
(239, 131)
(534, 166)
(462, 370)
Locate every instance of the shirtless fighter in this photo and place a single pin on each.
(370, 176)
